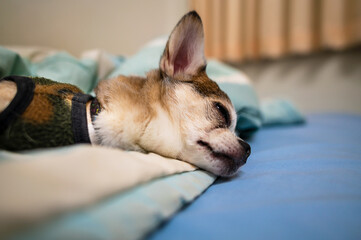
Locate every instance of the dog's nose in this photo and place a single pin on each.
(246, 147)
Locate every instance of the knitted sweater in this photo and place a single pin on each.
(43, 113)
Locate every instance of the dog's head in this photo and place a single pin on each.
(203, 112)
(189, 117)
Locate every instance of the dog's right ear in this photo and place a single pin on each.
(183, 56)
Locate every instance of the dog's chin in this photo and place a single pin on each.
(223, 167)
(218, 163)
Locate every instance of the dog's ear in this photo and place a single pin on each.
(183, 55)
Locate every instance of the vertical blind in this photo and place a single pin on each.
(250, 29)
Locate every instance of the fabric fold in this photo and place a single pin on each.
(131, 215)
(39, 184)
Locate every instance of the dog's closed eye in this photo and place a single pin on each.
(223, 112)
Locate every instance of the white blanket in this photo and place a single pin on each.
(40, 184)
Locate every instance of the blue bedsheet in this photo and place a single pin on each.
(301, 182)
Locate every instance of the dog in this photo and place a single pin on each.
(176, 111)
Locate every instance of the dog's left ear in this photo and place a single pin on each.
(183, 55)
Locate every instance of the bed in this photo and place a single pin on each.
(303, 179)
(302, 182)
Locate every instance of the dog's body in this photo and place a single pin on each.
(176, 111)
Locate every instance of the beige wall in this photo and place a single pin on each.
(322, 82)
(118, 26)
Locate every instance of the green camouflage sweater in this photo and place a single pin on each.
(43, 113)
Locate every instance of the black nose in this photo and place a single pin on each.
(246, 147)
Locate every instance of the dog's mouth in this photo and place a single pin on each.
(228, 164)
(218, 155)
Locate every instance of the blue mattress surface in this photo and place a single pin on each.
(301, 182)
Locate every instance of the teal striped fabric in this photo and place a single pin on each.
(131, 215)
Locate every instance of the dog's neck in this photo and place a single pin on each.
(92, 110)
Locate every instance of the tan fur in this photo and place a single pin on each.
(174, 111)
(158, 116)
(7, 93)
(127, 94)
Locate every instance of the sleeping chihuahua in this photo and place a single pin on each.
(176, 111)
